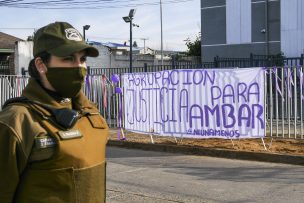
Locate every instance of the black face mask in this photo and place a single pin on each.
(66, 81)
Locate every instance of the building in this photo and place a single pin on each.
(116, 55)
(236, 28)
(23, 56)
(111, 55)
(7, 50)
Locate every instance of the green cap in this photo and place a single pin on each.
(61, 39)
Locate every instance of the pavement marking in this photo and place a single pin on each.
(140, 195)
(133, 170)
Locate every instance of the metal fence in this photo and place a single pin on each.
(11, 86)
(257, 61)
(100, 90)
(97, 88)
(219, 62)
(285, 102)
(284, 97)
(145, 68)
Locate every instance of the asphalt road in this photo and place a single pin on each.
(147, 176)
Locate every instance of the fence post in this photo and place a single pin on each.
(173, 61)
(301, 60)
(269, 61)
(145, 67)
(89, 70)
(216, 59)
(23, 71)
(251, 60)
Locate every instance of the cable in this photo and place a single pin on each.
(74, 4)
(16, 28)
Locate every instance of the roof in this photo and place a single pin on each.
(117, 46)
(112, 45)
(8, 41)
(107, 44)
(7, 51)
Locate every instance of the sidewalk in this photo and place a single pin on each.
(219, 150)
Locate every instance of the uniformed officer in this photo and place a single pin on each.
(53, 138)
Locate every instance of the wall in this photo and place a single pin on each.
(109, 59)
(103, 60)
(292, 27)
(106, 59)
(234, 28)
(23, 55)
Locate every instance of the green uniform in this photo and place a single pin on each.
(42, 162)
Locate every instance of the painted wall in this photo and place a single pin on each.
(292, 27)
(234, 28)
(238, 21)
(23, 55)
(102, 61)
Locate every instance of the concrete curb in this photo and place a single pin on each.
(253, 156)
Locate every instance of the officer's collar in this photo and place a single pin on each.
(53, 94)
(34, 91)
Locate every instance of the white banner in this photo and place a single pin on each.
(196, 103)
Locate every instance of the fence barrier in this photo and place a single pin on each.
(98, 89)
(284, 94)
(257, 61)
(11, 86)
(285, 102)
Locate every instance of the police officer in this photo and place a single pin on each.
(53, 139)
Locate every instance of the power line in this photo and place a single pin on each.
(16, 28)
(74, 4)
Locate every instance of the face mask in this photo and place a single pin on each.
(66, 81)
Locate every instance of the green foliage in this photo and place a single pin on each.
(135, 44)
(194, 48)
(277, 60)
(30, 38)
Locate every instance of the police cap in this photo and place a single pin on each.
(61, 39)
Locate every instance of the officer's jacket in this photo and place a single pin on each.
(42, 162)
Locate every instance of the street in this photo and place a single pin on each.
(147, 176)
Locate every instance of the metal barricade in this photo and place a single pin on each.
(284, 95)
(98, 89)
(11, 86)
(284, 102)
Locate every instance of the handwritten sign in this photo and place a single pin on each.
(196, 103)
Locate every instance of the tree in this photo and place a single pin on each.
(135, 44)
(30, 38)
(194, 48)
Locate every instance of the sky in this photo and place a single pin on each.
(181, 21)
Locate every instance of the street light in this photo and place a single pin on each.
(128, 19)
(85, 27)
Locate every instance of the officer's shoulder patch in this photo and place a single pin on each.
(70, 134)
(44, 148)
(44, 142)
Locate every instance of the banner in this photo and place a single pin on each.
(196, 103)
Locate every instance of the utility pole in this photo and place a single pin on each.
(267, 26)
(161, 31)
(144, 39)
